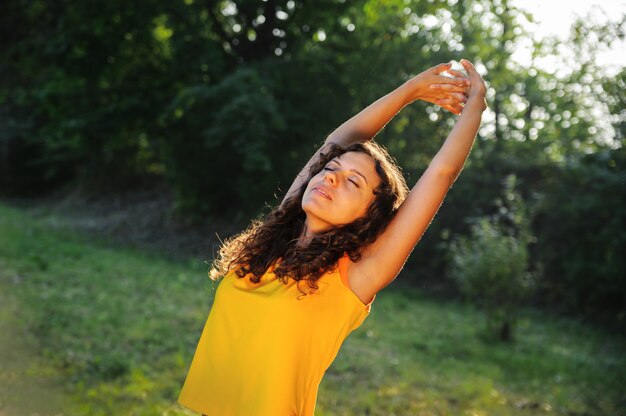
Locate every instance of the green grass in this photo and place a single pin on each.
(111, 331)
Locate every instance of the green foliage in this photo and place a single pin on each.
(615, 88)
(490, 266)
(582, 241)
(219, 143)
(82, 89)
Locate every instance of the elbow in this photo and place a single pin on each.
(452, 175)
(448, 172)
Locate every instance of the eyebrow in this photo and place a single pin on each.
(352, 170)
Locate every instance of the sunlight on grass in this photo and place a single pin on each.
(119, 326)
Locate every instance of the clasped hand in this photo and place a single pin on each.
(450, 93)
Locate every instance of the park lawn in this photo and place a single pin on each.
(112, 330)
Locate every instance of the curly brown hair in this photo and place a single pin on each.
(274, 236)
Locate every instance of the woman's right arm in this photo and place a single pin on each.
(367, 123)
(360, 128)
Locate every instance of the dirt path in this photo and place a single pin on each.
(27, 385)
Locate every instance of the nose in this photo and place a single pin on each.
(330, 175)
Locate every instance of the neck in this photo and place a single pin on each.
(308, 233)
(305, 236)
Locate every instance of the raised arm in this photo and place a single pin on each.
(383, 259)
(448, 92)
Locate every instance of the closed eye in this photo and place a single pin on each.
(332, 170)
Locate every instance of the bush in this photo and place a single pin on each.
(490, 266)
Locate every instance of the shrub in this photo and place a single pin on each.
(490, 266)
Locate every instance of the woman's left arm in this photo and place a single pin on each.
(383, 259)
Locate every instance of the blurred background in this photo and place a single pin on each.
(135, 136)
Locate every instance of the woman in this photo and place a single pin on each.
(345, 228)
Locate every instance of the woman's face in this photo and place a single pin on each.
(341, 192)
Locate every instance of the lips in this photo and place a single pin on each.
(323, 192)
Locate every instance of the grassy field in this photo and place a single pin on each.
(89, 328)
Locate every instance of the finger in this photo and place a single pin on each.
(458, 97)
(442, 67)
(469, 67)
(449, 103)
(462, 81)
(443, 102)
(457, 74)
(452, 109)
(448, 88)
(458, 108)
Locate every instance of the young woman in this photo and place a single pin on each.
(296, 283)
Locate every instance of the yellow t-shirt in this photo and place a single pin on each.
(263, 351)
